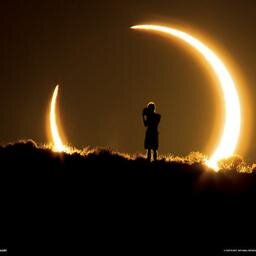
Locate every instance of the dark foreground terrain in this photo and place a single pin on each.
(102, 203)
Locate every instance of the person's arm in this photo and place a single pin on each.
(158, 119)
(144, 116)
(145, 120)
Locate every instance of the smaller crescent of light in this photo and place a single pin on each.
(231, 131)
(58, 144)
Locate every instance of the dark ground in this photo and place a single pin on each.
(105, 204)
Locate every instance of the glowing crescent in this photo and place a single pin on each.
(231, 132)
(58, 144)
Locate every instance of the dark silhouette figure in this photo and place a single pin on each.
(151, 120)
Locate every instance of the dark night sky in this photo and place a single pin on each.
(108, 72)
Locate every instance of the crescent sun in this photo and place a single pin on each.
(232, 123)
(58, 145)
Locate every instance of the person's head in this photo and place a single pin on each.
(151, 106)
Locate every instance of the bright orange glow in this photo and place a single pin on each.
(57, 141)
(232, 123)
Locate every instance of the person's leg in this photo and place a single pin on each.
(155, 154)
(149, 154)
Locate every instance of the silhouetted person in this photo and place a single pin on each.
(151, 120)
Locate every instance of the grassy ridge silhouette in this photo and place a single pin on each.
(26, 158)
(99, 198)
(28, 150)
